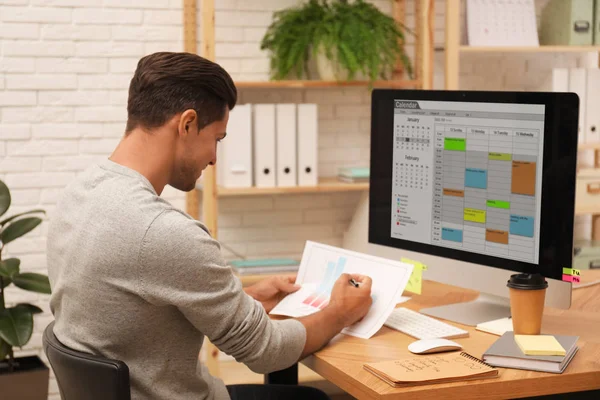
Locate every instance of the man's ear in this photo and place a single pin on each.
(188, 122)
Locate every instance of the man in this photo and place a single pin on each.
(135, 279)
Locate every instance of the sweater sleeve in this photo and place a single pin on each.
(181, 265)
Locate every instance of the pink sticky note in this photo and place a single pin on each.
(575, 279)
(567, 278)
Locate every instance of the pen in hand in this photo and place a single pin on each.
(353, 282)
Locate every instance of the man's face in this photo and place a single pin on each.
(196, 151)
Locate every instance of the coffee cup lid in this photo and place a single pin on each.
(527, 282)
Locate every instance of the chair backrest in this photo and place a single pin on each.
(83, 376)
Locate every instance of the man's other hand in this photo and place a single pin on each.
(272, 290)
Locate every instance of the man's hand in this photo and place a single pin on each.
(347, 305)
(351, 303)
(272, 290)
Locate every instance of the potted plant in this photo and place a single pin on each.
(21, 377)
(345, 40)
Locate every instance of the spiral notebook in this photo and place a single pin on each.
(429, 369)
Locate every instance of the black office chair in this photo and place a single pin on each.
(83, 376)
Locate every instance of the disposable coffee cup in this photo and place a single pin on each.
(527, 295)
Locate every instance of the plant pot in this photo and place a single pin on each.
(29, 380)
(329, 70)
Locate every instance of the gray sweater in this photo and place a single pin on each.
(135, 279)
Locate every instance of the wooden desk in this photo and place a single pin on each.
(341, 362)
(587, 298)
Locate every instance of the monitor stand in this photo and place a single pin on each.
(485, 308)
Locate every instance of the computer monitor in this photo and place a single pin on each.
(478, 186)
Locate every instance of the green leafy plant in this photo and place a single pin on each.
(16, 323)
(356, 36)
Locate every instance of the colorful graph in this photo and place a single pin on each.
(320, 297)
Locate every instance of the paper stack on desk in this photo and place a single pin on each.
(496, 327)
(322, 265)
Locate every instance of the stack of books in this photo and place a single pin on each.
(354, 174)
(546, 353)
(264, 266)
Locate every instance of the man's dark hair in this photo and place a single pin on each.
(166, 83)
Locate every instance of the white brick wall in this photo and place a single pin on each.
(36, 14)
(65, 67)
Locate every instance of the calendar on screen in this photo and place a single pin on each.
(413, 171)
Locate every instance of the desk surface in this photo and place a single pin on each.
(341, 362)
(587, 298)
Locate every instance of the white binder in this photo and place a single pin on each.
(560, 80)
(307, 144)
(592, 115)
(234, 154)
(286, 144)
(577, 83)
(264, 145)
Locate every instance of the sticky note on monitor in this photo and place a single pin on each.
(539, 345)
(571, 271)
(571, 278)
(415, 282)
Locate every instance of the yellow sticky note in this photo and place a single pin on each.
(416, 278)
(539, 345)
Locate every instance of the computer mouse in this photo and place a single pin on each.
(428, 346)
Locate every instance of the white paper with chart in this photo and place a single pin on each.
(322, 265)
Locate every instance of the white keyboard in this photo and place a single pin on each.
(422, 326)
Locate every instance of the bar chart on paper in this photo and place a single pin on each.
(320, 297)
(321, 268)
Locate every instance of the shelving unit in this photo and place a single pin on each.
(528, 49)
(589, 146)
(586, 210)
(397, 84)
(423, 80)
(423, 70)
(453, 49)
(325, 185)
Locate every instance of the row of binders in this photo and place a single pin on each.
(570, 22)
(585, 82)
(269, 145)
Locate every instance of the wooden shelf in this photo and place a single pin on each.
(305, 84)
(593, 209)
(325, 185)
(589, 146)
(529, 49)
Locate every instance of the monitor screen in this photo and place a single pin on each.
(474, 177)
